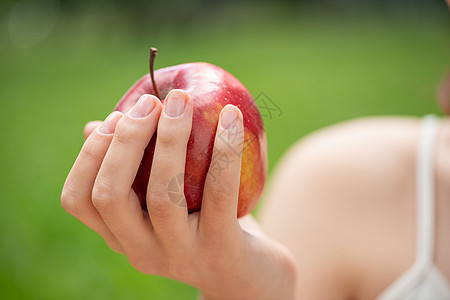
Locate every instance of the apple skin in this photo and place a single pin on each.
(211, 88)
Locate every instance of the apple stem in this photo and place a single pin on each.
(153, 52)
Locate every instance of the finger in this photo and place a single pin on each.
(112, 194)
(167, 205)
(131, 97)
(221, 191)
(77, 191)
(90, 127)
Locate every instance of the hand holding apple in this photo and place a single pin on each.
(211, 88)
(209, 249)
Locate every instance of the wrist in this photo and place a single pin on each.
(272, 275)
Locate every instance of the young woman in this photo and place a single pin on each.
(361, 209)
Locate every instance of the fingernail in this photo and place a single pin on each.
(109, 125)
(229, 117)
(175, 103)
(143, 107)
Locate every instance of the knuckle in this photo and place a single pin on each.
(127, 133)
(158, 207)
(103, 196)
(91, 152)
(69, 202)
(171, 137)
(220, 191)
(159, 203)
(156, 191)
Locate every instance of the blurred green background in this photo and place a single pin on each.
(63, 63)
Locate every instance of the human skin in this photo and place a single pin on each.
(224, 257)
(343, 202)
(348, 193)
(211, 88)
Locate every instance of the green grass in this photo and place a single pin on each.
(317, 70)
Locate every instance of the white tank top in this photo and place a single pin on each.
(423, 281)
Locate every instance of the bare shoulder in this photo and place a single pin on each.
(357, 152)
(336, 200)
(359, 132)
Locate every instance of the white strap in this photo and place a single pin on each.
(425, 191)
(425, 213)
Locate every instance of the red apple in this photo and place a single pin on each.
(211, 88)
